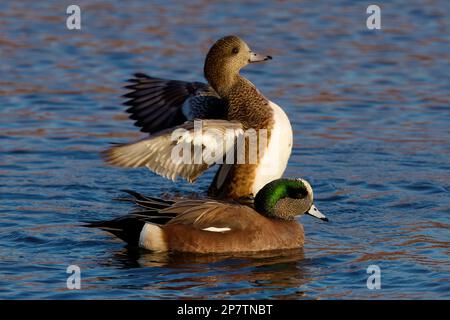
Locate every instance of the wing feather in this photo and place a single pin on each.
(157, 104)
(202, 215)
(156, 152)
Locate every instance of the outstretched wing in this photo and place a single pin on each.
(157, 104)
(185, 151)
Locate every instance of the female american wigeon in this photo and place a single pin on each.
(228, 101)
(211, 226)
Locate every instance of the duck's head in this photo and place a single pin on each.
(226, 58)
(287, 198)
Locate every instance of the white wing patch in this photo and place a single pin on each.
(185, 151)
(214, 229)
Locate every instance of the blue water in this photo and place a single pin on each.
(370, 111)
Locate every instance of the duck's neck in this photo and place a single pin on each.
(221, 80)
(248, 106)
(245, 103)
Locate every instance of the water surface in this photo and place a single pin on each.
(370, 112)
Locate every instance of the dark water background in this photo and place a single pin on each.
(371, 115)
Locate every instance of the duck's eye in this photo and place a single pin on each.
(235, 50)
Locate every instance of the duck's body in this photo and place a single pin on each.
(159, 104)
(205, 227)
(212, 226)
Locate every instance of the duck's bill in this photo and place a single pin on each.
(254, 57)
(313, 211)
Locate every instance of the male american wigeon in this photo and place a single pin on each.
(228, 101)
(212, 226)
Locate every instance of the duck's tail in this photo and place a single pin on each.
(149, 203)
(129, 227)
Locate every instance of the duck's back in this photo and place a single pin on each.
(230, 228)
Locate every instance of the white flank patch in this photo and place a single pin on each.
(276, 156)
(152, 238)
(214, 229)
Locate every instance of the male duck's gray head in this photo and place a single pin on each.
(287, 198)
(225, 59)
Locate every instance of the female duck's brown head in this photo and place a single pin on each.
(287, 198)
(224, 61)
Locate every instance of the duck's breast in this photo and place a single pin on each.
(276, 156)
